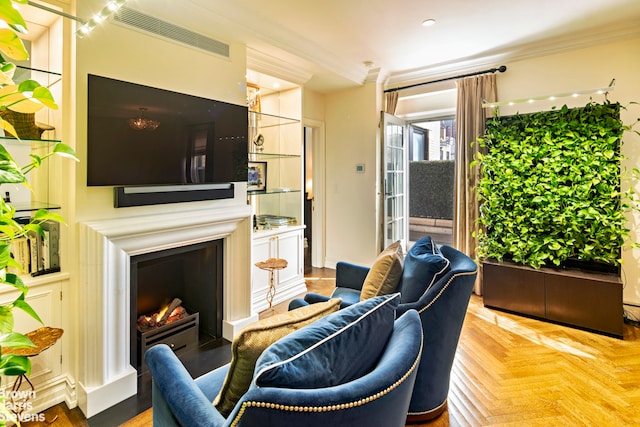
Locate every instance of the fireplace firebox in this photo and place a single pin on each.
(191, 275)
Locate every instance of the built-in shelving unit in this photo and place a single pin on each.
(38, 133)
(275, 150)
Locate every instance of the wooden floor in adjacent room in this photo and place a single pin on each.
(515, 371)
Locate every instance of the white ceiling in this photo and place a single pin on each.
(325, 44)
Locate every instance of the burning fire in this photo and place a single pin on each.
(146, 322)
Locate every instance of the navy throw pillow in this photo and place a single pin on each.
(336, 349)
(424, 265)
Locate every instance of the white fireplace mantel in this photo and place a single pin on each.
(106, 376)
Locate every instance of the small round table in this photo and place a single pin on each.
(271, 265)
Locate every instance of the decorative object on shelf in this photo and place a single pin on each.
(257, 177)
(275, 221)
(24, 124)
(258, 141)
(143, 123)
(271, 265)
(253, 98)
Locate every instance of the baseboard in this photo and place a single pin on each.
(93, 400)
(45, 395)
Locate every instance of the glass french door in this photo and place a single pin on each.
(395, 210)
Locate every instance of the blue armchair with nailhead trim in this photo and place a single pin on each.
(354, 367)
(437, 282)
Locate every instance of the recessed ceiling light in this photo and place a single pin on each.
(428, 22)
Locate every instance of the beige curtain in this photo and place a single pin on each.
(470, 121)
(391, 102)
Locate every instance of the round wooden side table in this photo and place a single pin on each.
(271, 265)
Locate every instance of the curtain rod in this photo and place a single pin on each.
(502, 69)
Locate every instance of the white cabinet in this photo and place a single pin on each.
(286, 243)
(46, 368)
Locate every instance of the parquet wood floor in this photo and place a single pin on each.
(515, 371)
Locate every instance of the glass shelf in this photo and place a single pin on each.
(272, 191)
(33, 206)
(268, 120)
(273, 155)
(15, 141)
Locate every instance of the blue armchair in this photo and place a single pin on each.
(437, 282)
(316, 392)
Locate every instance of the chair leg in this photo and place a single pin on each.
(427, 416)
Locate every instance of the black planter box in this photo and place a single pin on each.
(587, 300)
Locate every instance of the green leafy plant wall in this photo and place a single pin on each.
(550, 187)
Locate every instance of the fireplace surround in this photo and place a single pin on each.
(106, 376)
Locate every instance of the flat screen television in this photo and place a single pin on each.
(143, 136)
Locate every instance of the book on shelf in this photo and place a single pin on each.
(37, 253)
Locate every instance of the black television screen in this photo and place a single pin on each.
(142, 136)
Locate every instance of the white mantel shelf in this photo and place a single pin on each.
(106, 376)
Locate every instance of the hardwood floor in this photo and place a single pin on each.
(515, 371)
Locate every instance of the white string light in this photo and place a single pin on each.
(110, 8)
(86, 26)
(600, 91)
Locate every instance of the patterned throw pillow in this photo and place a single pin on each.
(249, 344)
(385, 273)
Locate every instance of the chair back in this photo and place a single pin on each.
(442, 310)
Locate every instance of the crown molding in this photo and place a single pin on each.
(266, 64)
(521, 52)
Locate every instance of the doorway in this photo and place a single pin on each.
(431, 179)
(313, 170)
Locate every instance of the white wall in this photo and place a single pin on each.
(352, 203)
(583, 69)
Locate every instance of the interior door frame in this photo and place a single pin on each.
(318, 237)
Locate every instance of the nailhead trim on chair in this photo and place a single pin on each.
(440, 408)
(330, 408)
(444, 288)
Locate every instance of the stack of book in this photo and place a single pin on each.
(38, 254)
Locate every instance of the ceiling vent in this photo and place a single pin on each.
(164, 29)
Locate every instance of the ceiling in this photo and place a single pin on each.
(333, 44)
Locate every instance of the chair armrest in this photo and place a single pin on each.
(350, 275)
(312, 298)
(187, 403)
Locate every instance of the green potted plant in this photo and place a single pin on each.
(26, 97)
(550, 196)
